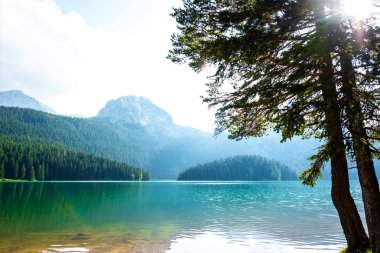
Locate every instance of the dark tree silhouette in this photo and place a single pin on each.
(283, 65)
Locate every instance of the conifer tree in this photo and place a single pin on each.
(276, 69)
(23, 171)
(16, 171)
(2, 170)
(44, 161)
(359, 77)
(41, 173)
(31, 174)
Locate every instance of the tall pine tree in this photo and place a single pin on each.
(278, 61)
(23, 171)
(358, 75)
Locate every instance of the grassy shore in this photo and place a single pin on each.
(12, 180)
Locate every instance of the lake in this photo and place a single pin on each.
(172, 217)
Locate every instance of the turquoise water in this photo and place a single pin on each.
(169, 217)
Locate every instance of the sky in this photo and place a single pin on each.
(75, 55)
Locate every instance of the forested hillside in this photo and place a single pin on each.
(30, 160)
(243, 168)
(85, 135)
(155, 144)
(159, 146)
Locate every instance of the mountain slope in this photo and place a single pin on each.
(135, 131)
(182, 147)
(163, 149)
(84, 135)
(136, 110)
(16, 98)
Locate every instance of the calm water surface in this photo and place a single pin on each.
(169, 217)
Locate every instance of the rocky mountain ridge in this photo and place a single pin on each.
(16, 98)
(136, 110)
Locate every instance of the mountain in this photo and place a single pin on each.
(162, 149)
(135, 110)
(16, 98)
(184, 146)
(135, 131)
(241, 168)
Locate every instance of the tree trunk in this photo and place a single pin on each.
(353, 229)
(365, 166)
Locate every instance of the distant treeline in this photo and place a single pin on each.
(33, 160)
(245, 168)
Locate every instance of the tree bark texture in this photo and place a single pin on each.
(350, 220)
(366, 169)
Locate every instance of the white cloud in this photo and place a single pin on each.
(45, 52)
(75, 68)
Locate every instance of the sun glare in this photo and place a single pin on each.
(359, 9)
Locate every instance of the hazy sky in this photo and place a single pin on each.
(75, 55)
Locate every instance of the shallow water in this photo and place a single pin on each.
(169, 217)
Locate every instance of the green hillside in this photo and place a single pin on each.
(29, 160)
(161, 147)
(242, 168)
(85, 135)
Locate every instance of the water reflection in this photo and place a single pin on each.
(168, 216)
(214, 243)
